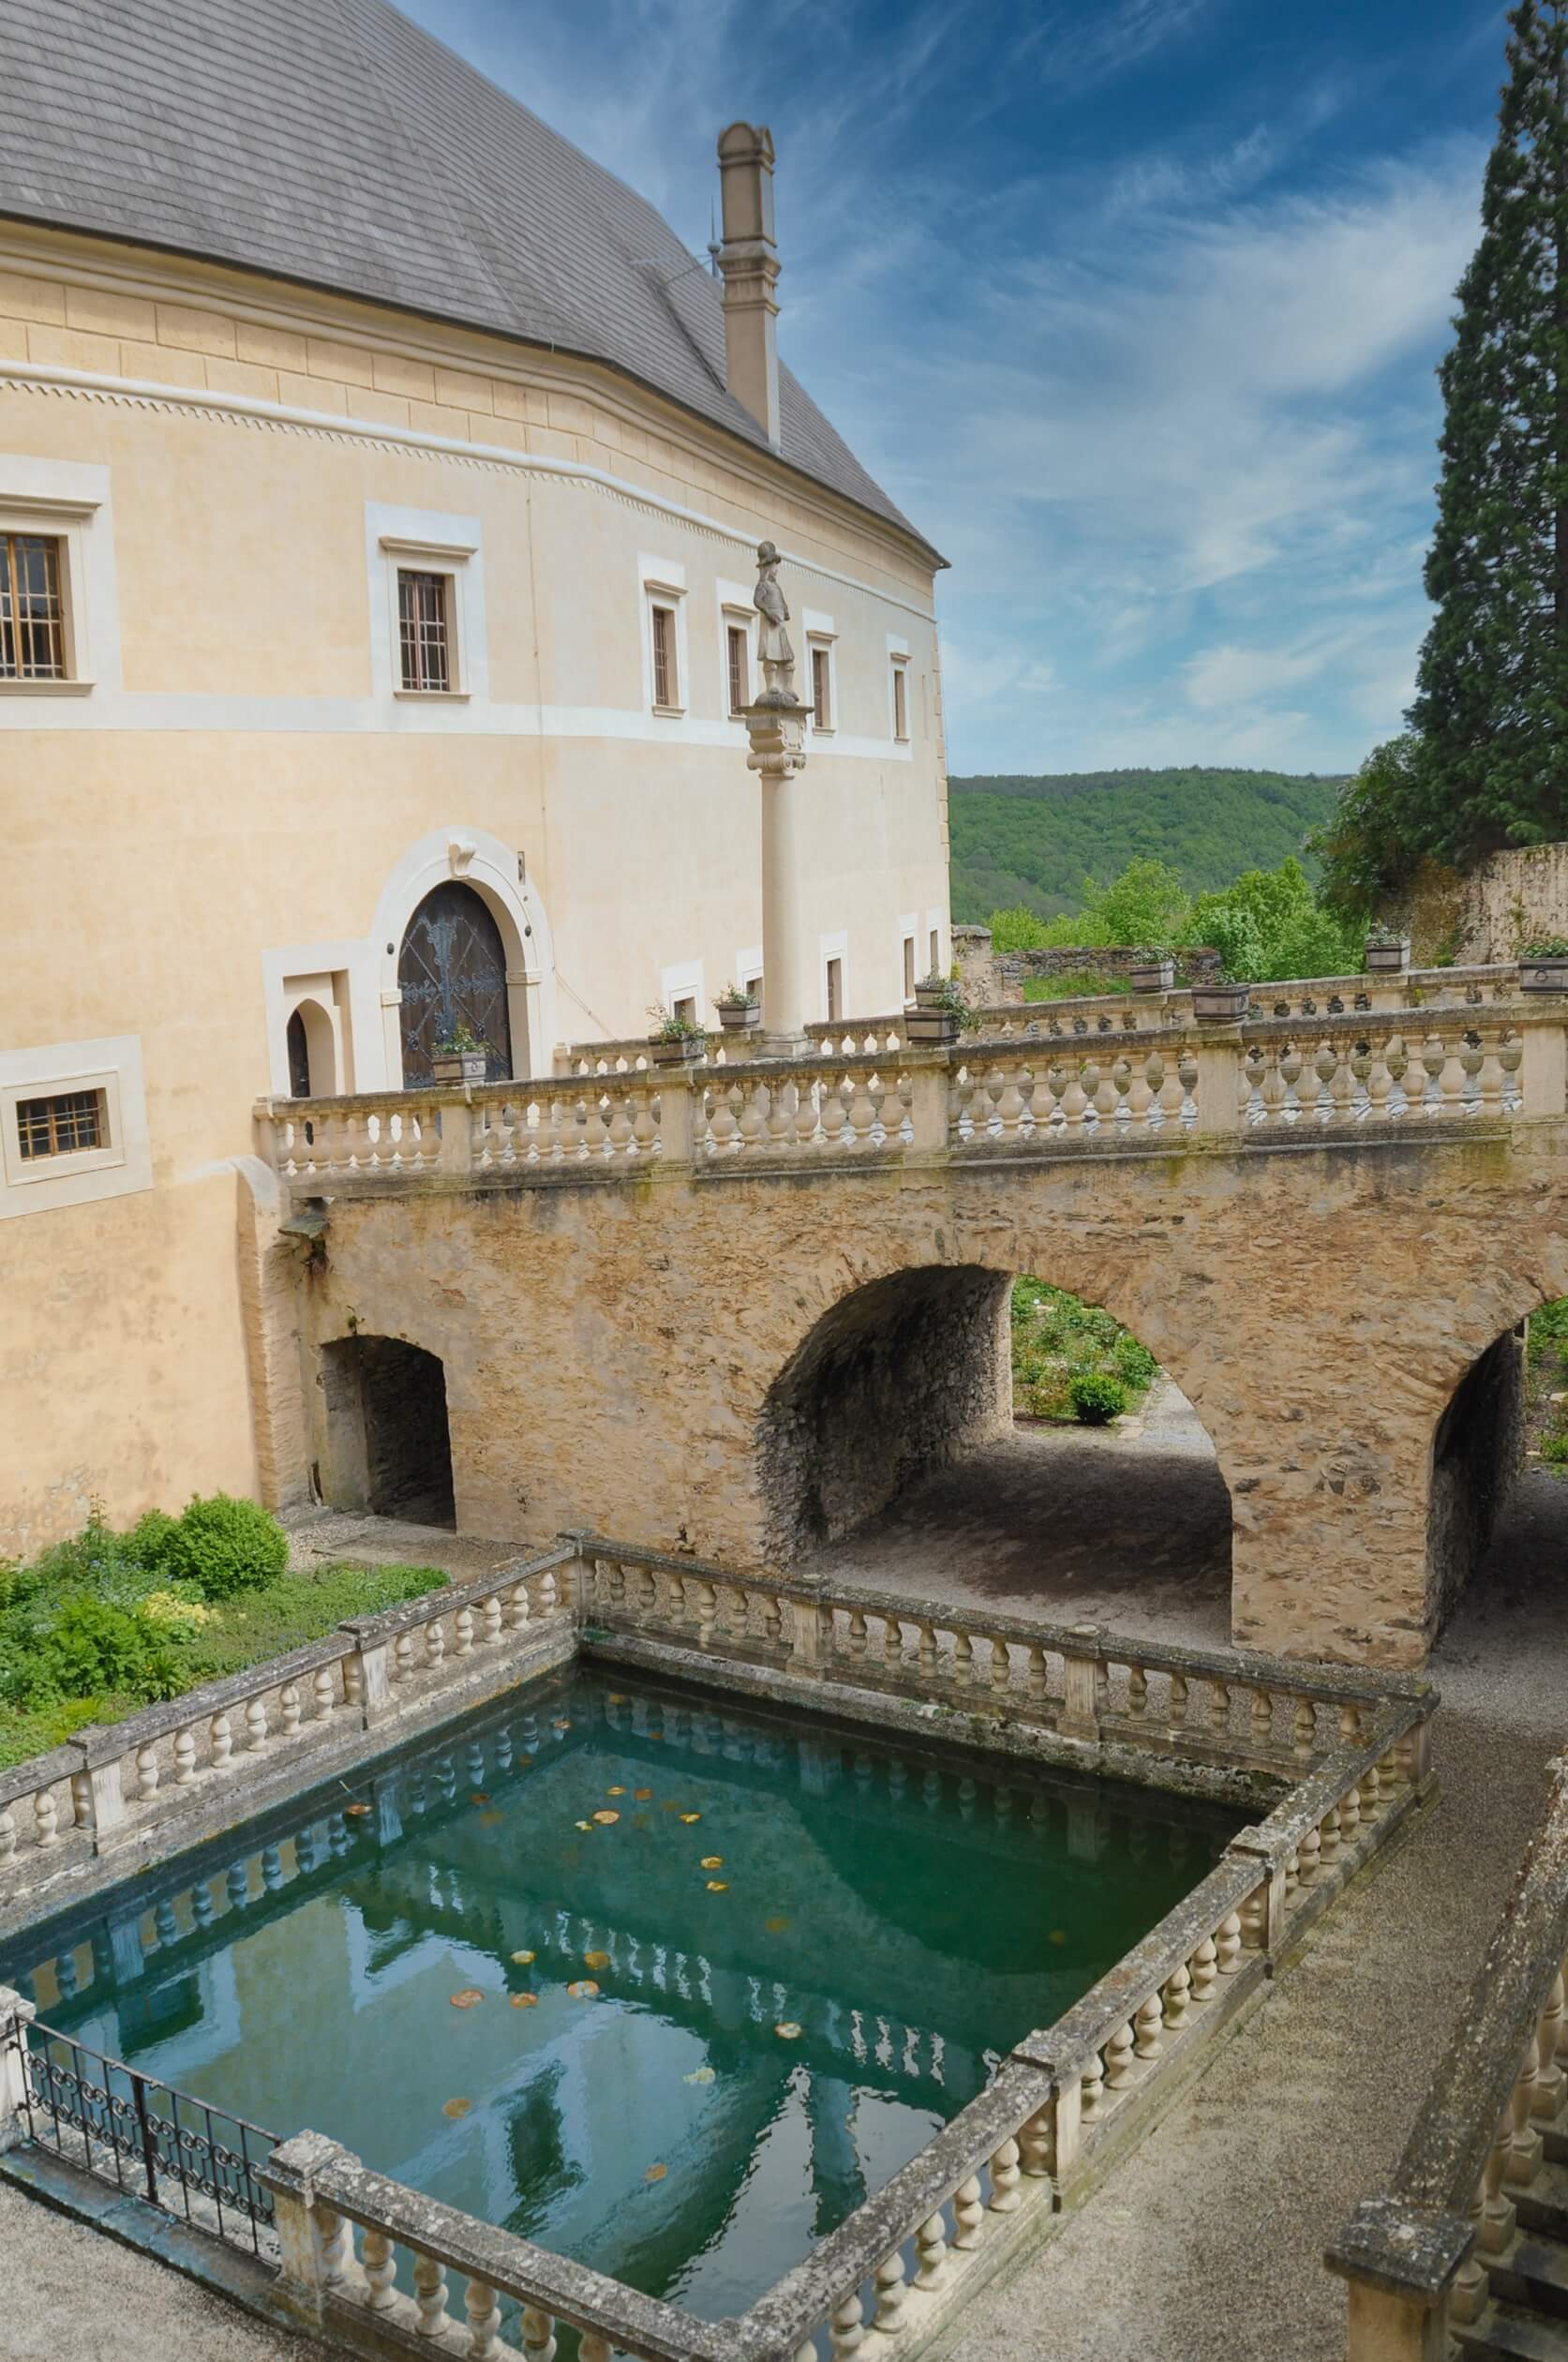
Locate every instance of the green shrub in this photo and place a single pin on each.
(152, 1541)
(1135, 1364)
(90, 1645)
(1554, 1450)
(1096, 1400)
(224, 1546)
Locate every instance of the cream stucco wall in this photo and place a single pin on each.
(240, 800)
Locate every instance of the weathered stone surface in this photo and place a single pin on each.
(612, 1356)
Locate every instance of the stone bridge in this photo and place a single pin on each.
(736, 1307)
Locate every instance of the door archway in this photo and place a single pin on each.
(451, 971)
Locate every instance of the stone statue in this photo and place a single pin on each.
(773, 642)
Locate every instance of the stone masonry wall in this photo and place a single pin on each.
(989, 977)
(611, 1353)
(1511, 898)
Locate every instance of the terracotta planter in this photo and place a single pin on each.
(1387, 959)
(744, 1020)
(463, 1066)
(1544, 976)
(681, 1052)
(928, 1026)
(1153, 976)
(1220, 1004)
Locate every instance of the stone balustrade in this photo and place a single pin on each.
(150, 1781)
(1426, 2259)
(1035, 1081)
(1144, 1708)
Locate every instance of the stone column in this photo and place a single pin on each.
(16, 2015)
(776, 726)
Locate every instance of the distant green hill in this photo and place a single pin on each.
(1034, 841)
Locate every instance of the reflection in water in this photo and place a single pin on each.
(709, 2022)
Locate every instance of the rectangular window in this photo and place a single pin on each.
(739, 686)
(60, 1125)
(908, 968)
(935, 967)
(835, 991)
(424, 630)
(685, 1010)
(900, 703)
(667, 688)
(32, 615)
(822, 707)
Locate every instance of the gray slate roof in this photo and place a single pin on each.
(335, 143)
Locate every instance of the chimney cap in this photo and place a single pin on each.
(746, 143)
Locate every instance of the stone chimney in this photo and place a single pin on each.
(749, 265)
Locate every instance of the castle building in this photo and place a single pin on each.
(379, 487)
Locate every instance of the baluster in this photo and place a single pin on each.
(1204, 1970)
(289, 1708)
(146, 1772)
(857, 1634)
(222, 1742)
(1091, 2087)
(463, 1629)
(1177, 1988)
(539, 2339)
(1149, 2022)
(772, 1622)
(890, 2296)
(1262, 1720)
(1005, 2196)
(1033, 1687)
(1001, 1667)
(1227, 1944)
(926, 1650)
(483, 2316)
(380, 2271)
(1176, 1710)
(8, 1833)
(337, 2234)
(1118, 2059)
(964, 1658)
(968, 2214)
(184, 1756)
(707, 1610)
(1306, 1730)
(1309, 1854)
(255, 1726)
(516, 1606)
(403, 1654)
(434, 1643)
(491, 1612)
(1137, 1692)
(1328, 1835)
(46, 1814)
(592, 2347)
(429, 2293)
(322, 1691)
(846, 2329)
(1551, 2081)
(1219, 1706)
(931, 2249)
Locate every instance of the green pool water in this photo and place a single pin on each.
(706, 2029)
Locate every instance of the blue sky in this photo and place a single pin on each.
(1133, 305)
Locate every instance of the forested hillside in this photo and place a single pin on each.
(1034, 841)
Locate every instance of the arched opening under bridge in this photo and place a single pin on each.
(388, 1441)
(956, 1430)
(1497, 1520)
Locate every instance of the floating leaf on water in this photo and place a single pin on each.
(777, 1925)
(524, 1763)
(616, 1697)
(656, 2172)
(615, 1791)
(456, 2107)
(712, 1861)
(788, 2031)
(582, 1824)
(584, 1990)
(643, 1795)
(1058, 1935)
(596, 1960)
(355, 1810)
(467, 1998)
(480, 1795)
(522, 1958)
(699, 2075)
(562, 1725)
(718, 1886)
(690, 1818)
(491, 1820)
(605, 1817)
(653, 1734)
(525, 2001)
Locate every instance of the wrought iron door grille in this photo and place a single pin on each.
(189, 2159)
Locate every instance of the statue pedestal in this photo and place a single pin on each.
(776, 726)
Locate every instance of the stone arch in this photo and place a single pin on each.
(494, 872)
(387, 1445)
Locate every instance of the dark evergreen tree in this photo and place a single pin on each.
(1492, 693)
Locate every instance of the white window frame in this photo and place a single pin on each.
(937, 926)
(425, 541)
(69, 503)
(898, 669)
(121, 1166)
(821, 634)
(748, 966)
(683, 980)
(909, 942)
(736, 614)
(662, 584)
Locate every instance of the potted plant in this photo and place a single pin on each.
(675, 1040)
(739, 1011)
(940, 1008)
(1220, 1000)
(1152, 971)
(1386, 952)
(1544, 965)
(460, 1056)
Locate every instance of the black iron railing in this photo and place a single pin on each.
(190, 2159)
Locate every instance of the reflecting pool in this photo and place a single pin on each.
(667, 1986)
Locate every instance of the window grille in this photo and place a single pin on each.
(61, 1125)
(822, 710)
(32, 614)
(663, 656)
(737, 668)
(835, 991)
(424, 630)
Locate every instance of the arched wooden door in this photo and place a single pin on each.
(451, 971)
